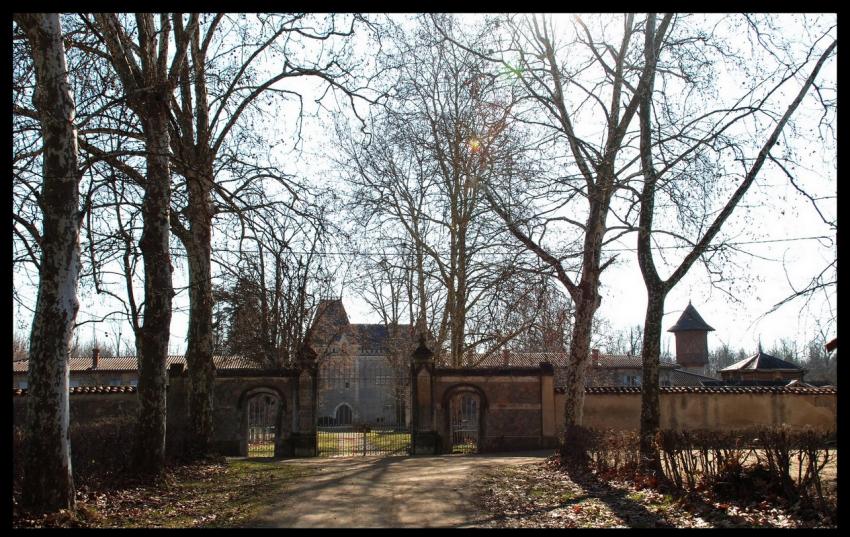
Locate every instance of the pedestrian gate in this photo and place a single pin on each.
(464, 411)
(262, 419)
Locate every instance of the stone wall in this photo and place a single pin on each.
(716, 408)
(233, 389)
(87, 404)
(516, 406)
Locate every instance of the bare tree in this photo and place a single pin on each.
(48, 481)
(148, 71)
(674, 147)
(418, 180)
(272, 288)
(586, 103)
(217, 91)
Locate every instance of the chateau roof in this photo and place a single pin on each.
(331, 324)
(690, 320)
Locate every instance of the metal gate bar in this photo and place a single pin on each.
(350, 391)
(262, 411)
(464, 411)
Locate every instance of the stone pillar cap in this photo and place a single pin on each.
(422, 352)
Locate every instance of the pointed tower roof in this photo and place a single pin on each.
(331, 312)
(690, 320)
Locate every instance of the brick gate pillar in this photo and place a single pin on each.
(424, 438)
(547, 405)
(306, 395)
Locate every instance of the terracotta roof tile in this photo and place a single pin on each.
(79, 390)
(711, 389)
(129, 363)
(560, 360)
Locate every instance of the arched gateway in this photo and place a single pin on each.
(263, 419)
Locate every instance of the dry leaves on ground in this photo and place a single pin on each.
(197, 495)
(542, 496)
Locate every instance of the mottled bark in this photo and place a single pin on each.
(148, 84)
(650, 411)
(48, 482)
(199, 352)
(156, 327)
(656, 289)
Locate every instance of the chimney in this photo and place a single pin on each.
(95, 354)
(594, 355)
(506, 357)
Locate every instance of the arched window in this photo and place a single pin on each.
(343, 414)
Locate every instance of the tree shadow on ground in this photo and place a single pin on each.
(635, 514)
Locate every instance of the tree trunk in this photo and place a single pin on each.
(48, 481)
(579, 355)
(199, 352)
(156, 327)
(650, 418)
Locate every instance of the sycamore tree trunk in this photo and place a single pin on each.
(199, 352)
(156, 327)
(587, 301)
(650, 419)
(48, 482)
(148, 82)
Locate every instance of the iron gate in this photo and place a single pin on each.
(262, 419)
(464, 411)
(363, 407)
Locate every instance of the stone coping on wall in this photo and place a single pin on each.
(80, 390)
(708, 389)
(289, 372)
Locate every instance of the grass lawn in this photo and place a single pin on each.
(223, 494)
(389, 441)
(327, 442)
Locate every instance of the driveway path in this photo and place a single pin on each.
(394, 492)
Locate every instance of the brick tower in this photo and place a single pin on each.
(691, 341)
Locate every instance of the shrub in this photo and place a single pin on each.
(720, 460)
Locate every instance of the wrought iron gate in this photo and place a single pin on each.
(363, 407)
(464, 411)
(262, 417)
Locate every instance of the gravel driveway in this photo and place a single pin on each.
(372, 492)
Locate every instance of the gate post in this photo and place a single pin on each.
(306, 392)
(424, 439)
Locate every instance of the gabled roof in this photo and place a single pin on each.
(331, 325)
(690, 320)
(761, 361)
(375, 338)
(331, 313)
